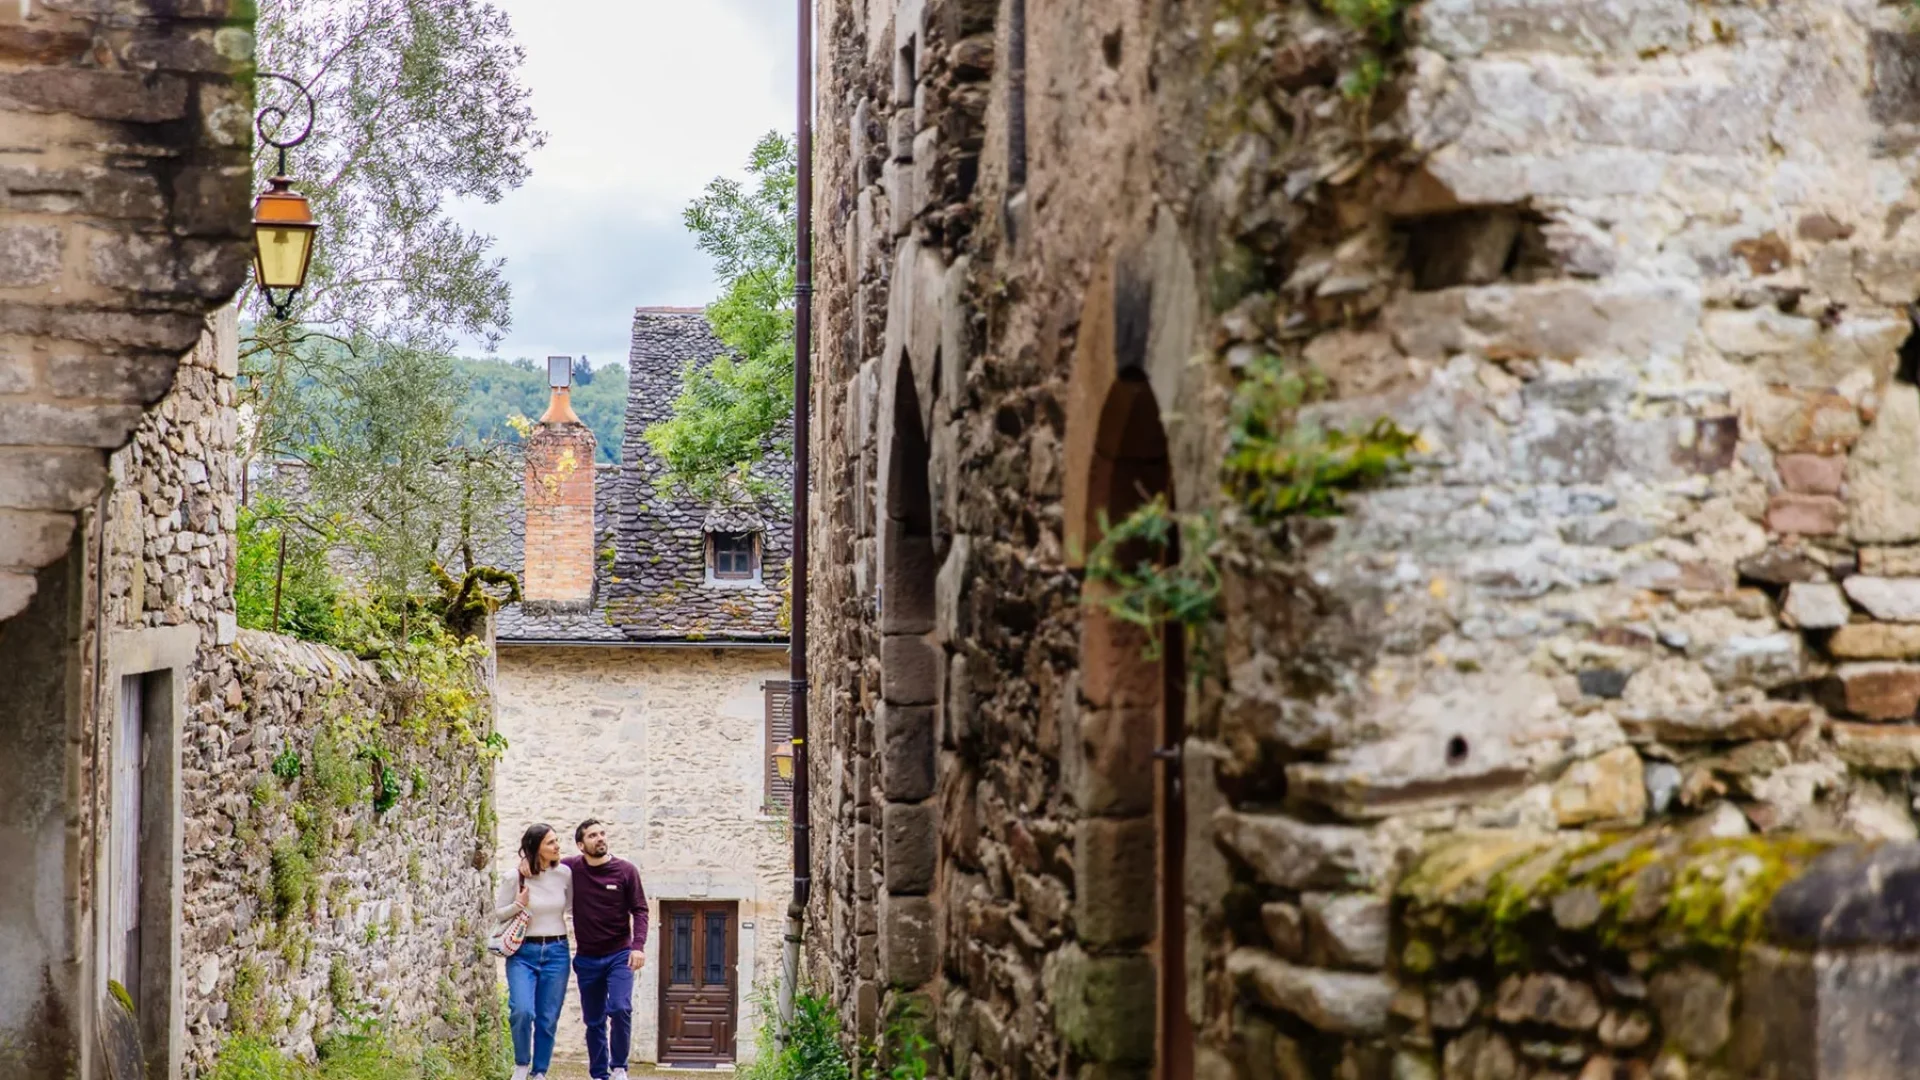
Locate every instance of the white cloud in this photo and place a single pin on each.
(643, 102)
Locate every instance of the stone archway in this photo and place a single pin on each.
(1129, 857)
(910, 677)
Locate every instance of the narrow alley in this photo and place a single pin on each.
(1193, 539)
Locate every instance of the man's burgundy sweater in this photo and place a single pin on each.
(609, 907)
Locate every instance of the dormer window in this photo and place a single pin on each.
(733, 556)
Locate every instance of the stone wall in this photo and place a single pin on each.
(306, 906)
(1635, 276)
(667, 745)
(123, 220)
(1654, 954)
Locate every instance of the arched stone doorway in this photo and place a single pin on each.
(1130, 863)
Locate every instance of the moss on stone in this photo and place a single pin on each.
(1494, 895)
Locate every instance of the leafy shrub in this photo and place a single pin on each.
(294, 887)
(309, 589)
(1142, 588)
(1278, 467)
(814, 1051)
(286, 765)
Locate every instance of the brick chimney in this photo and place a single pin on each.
(559, 550)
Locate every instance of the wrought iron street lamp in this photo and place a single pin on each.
(283, 225)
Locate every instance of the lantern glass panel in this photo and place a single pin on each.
(281, 253)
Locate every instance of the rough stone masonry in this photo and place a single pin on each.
(124, 136)
(1640, 277)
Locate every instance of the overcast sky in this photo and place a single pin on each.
(643, 102)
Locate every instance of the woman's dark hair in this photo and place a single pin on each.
(530, 842)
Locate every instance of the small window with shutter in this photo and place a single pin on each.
(779, 792)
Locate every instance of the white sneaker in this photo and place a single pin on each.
(619, 1074)
(520, 1072)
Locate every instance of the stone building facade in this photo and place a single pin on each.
(215, 876)
(644, 698)
(124, 177)
(1634, 280)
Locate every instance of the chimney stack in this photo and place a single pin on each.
(559, 497)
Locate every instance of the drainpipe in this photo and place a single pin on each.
(802, 461)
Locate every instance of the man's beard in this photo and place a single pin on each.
(597, 850)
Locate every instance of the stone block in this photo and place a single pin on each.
(1114, 671)
(1560, 320)
(1103, 1007)
(909, 673)
(1805, 515)
(1118, 776)
(907, 752)
(1781, 566)
(1768, 661)
(1337, 1002)
(37, 478)
(912, 842)
(1795, 350)
(1695, 1008)
(908, 958)
(1346, 930)
(1292, 854)
(1811, 606)
(900, 136)
(1893, 747)
(1807, 422)
(1886, 599)
(134, 97)
(1875, 641)
(1883, 474)
(1876, 690)
(1286, 929)
(30, 254)
(1607, 789)
(1113, 885)
(1890, 562)
(104, 426)
(907, 571)
(33, 539)
(1716, 723)
(1549, 999)
(1622, 28)
(950, 614)
(1812, 474)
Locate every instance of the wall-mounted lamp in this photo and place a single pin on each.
(283, 225)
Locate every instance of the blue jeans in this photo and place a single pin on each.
(606, 993)
(536, 989)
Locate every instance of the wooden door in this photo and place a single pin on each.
(699, 1001)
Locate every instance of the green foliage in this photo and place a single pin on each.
(904, 1048)
(419, 786)
(340, 988)
(338, 779)
(294, 887)
(367, 1051)
(309, 588)
(1278, 467)
(244, 1007)
(420, 106)
(118, 991)
(498, 391)
(431, 670)
(1378, 19)
(392, 477)
(286, 765)
(812, 1053)
(1381, 23)
(1156, 568)
(730, 411)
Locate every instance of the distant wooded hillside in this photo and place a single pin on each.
(498, 389)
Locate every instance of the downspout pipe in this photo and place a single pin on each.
(802, 468)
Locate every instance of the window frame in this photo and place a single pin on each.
(750, 576)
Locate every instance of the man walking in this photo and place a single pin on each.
(610, 934)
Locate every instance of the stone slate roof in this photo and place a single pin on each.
(650, 582)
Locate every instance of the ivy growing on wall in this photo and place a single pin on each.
(1157, 568)
(1279, 465)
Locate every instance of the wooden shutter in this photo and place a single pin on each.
(779, 793)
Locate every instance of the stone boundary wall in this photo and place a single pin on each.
(380, 915)
(1655, 954)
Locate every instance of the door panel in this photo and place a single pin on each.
(699, 1002)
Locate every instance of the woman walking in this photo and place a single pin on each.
(537, 972)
